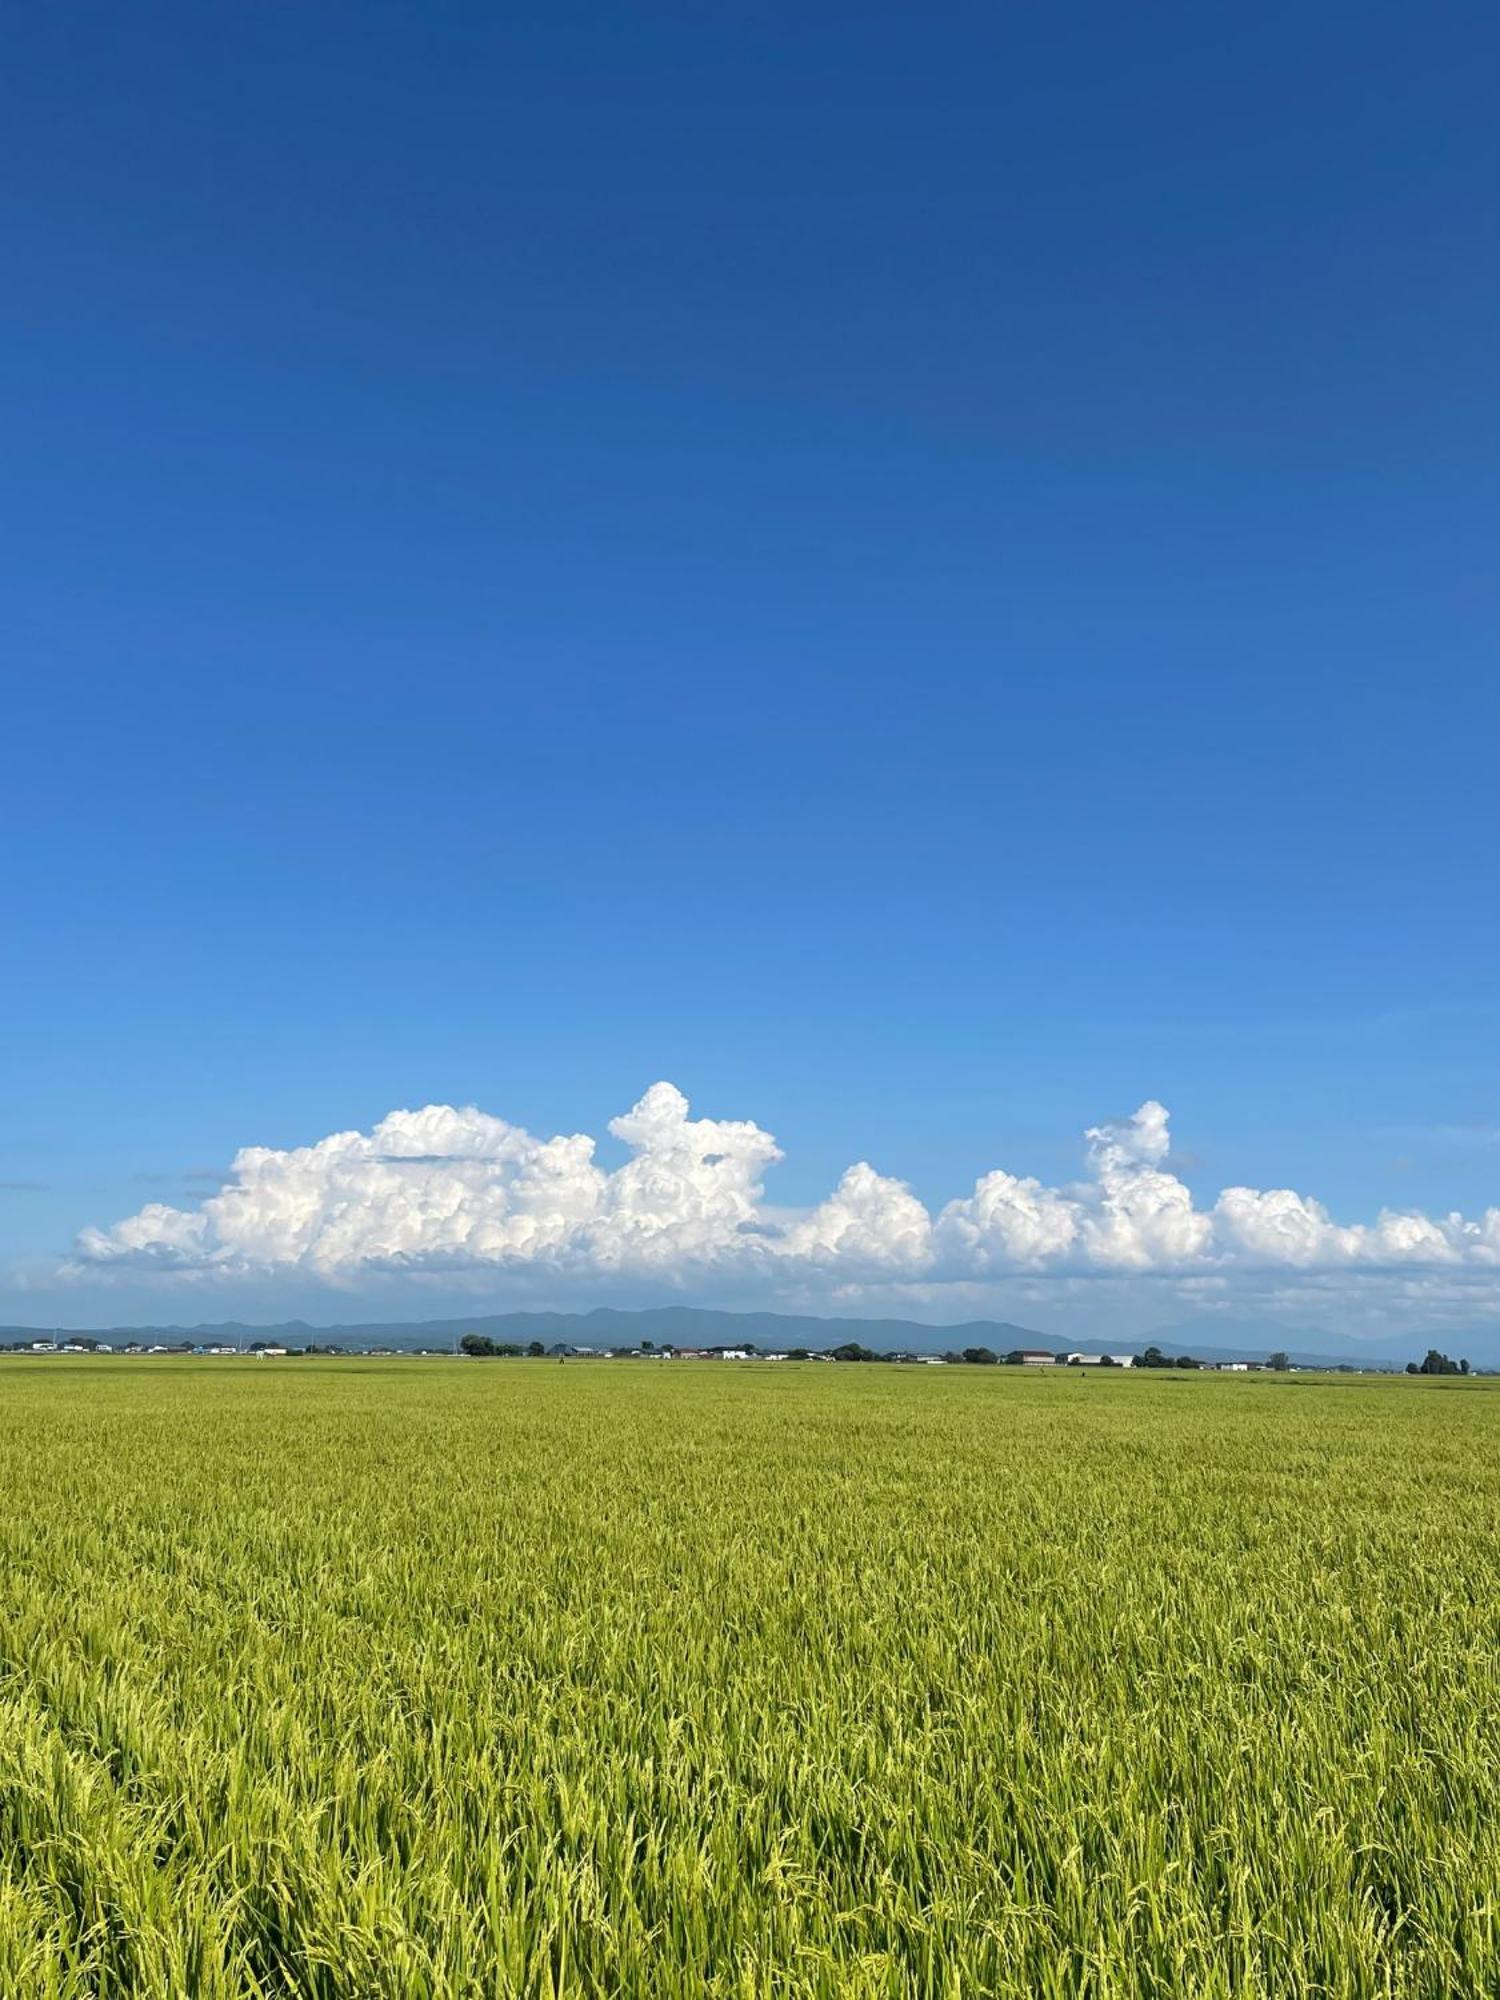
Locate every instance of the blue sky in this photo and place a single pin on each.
(926, 576)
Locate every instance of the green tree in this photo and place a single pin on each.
(1437, 1364)
(982, 1356)
(1281, 1361)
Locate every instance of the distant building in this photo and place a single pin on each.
(1035, 1357)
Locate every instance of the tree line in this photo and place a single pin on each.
(480, 1346)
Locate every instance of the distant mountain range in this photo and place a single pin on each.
(695, 1326)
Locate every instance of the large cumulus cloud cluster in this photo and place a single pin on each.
(446, 1190)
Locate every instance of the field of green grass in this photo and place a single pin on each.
(434, 1678)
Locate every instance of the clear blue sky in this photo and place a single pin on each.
(925, 574)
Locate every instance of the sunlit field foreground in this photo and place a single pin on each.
(414, 1678)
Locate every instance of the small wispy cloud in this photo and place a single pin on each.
(1482, 1136)
(191, 1180)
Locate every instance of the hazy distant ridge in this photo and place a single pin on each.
(693, 1326)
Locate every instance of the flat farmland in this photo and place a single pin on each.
(437, 1678)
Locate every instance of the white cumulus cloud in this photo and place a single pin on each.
(869, 1223)
(1008, 1224)
(444, 1190)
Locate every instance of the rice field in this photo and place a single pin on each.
(434, 1678)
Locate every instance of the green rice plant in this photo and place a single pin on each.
(426, 1679)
